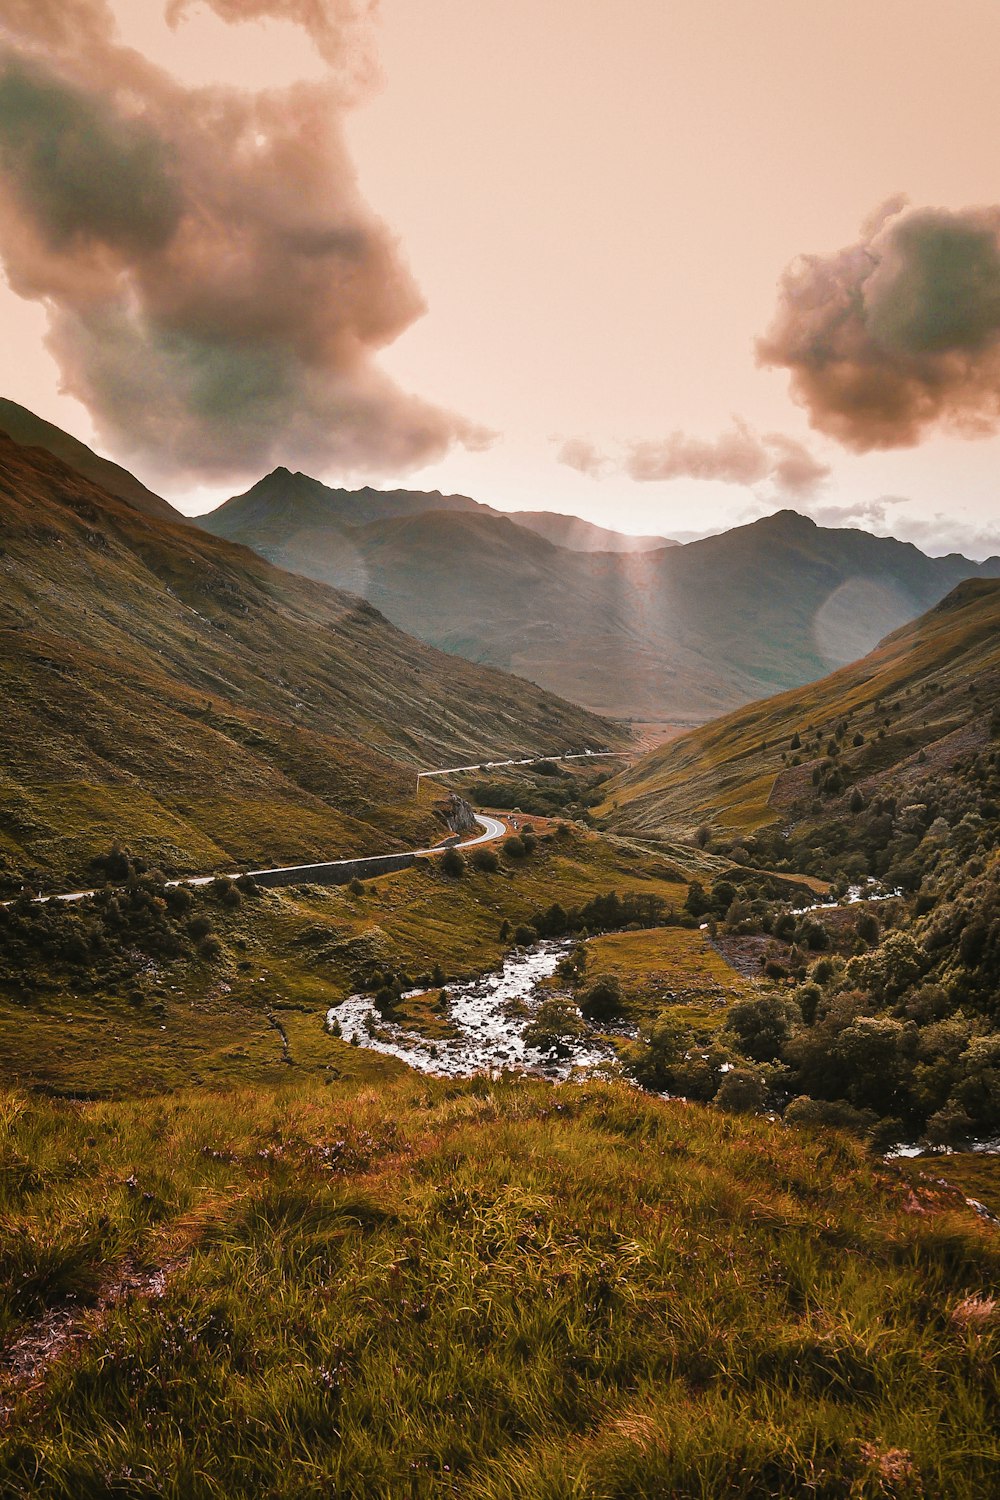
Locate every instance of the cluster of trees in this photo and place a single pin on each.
(612, 911)
(94, 943)
(894, 1024)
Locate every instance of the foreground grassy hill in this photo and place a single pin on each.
(485, 1289)
(170, 690)
(669, 633)
(918, 704)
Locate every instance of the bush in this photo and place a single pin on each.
(834, 1114)
(743, 1091)
(513, 847)
(556, 1024)
(486, 861)
(356, 887)
(602, 998)
(453, 863)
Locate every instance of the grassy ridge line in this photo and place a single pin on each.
(736, 772)
(493, 1290)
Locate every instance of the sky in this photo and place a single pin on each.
(666, 264)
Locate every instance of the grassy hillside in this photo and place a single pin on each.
(671, 633)
(32, 432)
(489, 1290)
(916, 705)
(173, 691)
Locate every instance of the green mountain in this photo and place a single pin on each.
(918, 706)
(674, 633)
(179, 693)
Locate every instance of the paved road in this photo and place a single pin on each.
(492, 828)
(533, 760)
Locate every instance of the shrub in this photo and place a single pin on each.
(513, 847)
(556, 1024)
(602, 998)
(743, 1091)
(486, 861)
(453, 863)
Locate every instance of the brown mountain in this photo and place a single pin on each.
(32, 432)
(177, 692)
(677, 632)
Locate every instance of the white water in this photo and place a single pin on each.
(489, 1016)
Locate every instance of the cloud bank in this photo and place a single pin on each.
(216, 287)
(739, 456)
(898, 333)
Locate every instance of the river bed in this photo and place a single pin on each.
(489, 1016)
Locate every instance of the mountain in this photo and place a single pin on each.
(176, 691)
(918, 706)
(32, 432)
(675, 633)
(583, 536)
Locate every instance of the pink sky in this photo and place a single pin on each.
(597, 200)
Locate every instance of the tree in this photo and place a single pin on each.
(486, 861)
(453, 863)
(556, 1025)
(602, 998)
(703, 836)
(761, 1027)
(743, 1091)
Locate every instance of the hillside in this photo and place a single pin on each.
(179, 693)
(678, 633)
(583, 536)
(32, 432)
(916, 706)
(486, 1290)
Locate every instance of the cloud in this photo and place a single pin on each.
(898, 333)
(739, 456)
(583, 456)
(216, 287)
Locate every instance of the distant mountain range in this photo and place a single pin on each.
(666, 633)
(670, 632)
(178, 693)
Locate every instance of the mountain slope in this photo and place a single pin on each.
(583, 536)
(918, 705)
(32, 432)
(165, 687)
(680, 633)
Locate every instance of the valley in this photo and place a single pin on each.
(594, 1007)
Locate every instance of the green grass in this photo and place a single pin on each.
(286, 957)
(735, 773)
(483, 1290)
(669, 969)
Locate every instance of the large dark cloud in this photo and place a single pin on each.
(899, 332)
(217, 289)
(739, 456)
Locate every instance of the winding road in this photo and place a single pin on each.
(533, 760)
(492, 828)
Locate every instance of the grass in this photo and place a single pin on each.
(286, 957)
(669, 969)
(735, 773)
(488, 1289)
